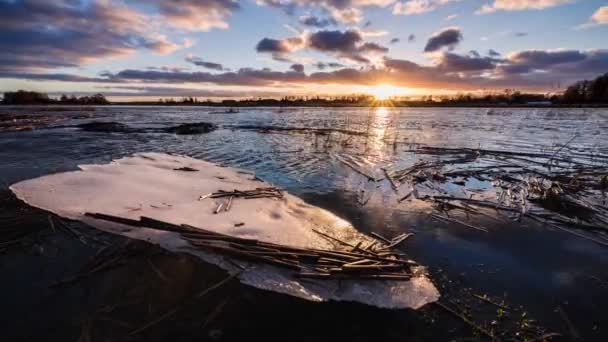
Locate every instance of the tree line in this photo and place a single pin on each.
(22, 97)
(593, 92)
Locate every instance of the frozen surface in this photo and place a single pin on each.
(149, 185)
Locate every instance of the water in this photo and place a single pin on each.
(525, 263)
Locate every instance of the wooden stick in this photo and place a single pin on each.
(380, 237)
(333, 238)
(229, 203)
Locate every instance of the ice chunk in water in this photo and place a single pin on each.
(151, 185)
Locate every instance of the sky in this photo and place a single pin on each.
(150, 49)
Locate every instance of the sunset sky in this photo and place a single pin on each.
(136, 49)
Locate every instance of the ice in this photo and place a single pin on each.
(150, 185)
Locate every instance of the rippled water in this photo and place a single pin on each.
(531, 264)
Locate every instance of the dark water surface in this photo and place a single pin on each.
(543, 274)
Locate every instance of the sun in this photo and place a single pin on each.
(383, 91)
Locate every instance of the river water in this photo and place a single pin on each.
(560, 279)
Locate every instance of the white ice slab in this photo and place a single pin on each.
(148, 185)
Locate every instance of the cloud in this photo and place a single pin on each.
(37, 35)
(394, 41)
(493, 53)
(279, 45)
(520, 34)
(167, 68)
(526, 70)
(450, 17)
(55, 77)
(343, 11)
(372, 33)
(419, 6)
(323, 66)
(529, 61)
(317, 22)
(243, 76)
(178, 92)
(297, 67)
(411, 38)
(347, 44)
(599, 17)
(451, 62)
(195, 15)
(448, 37)
(208, 65)
(372, 47)
(520, 5)
(335, 40)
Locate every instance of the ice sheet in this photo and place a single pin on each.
(149, 185)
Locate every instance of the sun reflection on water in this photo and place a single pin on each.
(378, 128)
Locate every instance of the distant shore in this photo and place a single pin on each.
(333, 105)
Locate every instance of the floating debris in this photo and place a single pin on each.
(268, 192)
(117, 127)
(564, 188)
(361, 263)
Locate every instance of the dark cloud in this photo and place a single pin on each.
(173, 92)
(162, 68)
(280, 46)
(37, 34)
(401, 65)
(208, 65)
(474, 53)
(521, 34)
(336, 41)
(347, 44)
(493, 53)
(323, 66)
(317, 22)
(297, 67)
(544, 58)
(395, 41)
(372, 47)
(451, 62)
(411, 38)
(448, 37)
(243, 76)
(556, 62)
(56, 77)
(367, 24)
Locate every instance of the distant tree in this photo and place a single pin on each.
(26, 97)
(595, 91)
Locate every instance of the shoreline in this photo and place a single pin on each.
(389, 105)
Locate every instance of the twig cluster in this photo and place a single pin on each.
(374, 261)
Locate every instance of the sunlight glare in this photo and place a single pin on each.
(383, 91)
